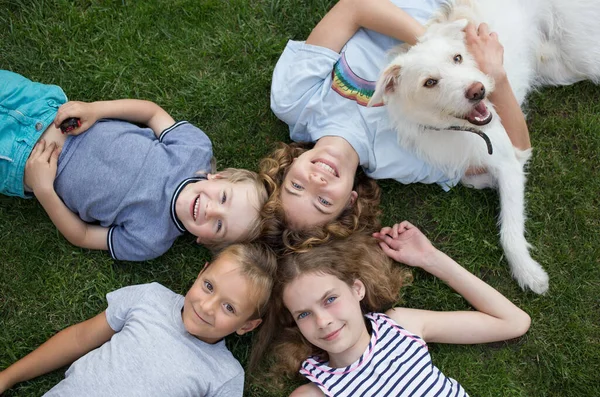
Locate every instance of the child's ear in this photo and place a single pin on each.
(352, 199)
(359, 289)
(248, 326)
(218, 175)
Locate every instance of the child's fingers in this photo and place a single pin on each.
(395, 231)
(47, 153)
(67, 110)
(387, 239)
(483, 29)
(387, 250)
(37, 148)
(55, 155)
(386, 230)
(470, 31)
(406, 225)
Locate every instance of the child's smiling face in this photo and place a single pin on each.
(328, 314)
(220, 302)
(217, 210)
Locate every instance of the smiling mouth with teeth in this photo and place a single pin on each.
(326, 167)
(196, 205)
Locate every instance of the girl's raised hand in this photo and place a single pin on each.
(405, 243)
(85, 112)
(486, 49)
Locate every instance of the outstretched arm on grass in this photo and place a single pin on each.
(495, 317)
(63, 348)
(133, 110)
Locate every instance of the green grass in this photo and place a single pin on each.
(210, 62)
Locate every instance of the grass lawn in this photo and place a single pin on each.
(210, 62)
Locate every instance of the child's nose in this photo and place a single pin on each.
(317, 179)
(208, 305)
(212, 210)
(323, 319)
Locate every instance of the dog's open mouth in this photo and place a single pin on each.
(480, 115)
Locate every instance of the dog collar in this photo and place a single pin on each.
(482, 134)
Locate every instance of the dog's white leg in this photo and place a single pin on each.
(511, 187)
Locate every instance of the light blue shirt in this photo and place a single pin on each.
(319, 92)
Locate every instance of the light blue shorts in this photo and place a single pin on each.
(26, 110)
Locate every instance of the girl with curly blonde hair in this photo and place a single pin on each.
(321, 88)
(331, 318)
(360, 212)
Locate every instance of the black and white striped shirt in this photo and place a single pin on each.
(396, 363)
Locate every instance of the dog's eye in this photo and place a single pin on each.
(430, 83)
(457, 58)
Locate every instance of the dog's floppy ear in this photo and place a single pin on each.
(387, 84)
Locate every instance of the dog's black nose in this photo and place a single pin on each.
(475, 92)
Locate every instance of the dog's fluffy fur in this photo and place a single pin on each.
(545, 42)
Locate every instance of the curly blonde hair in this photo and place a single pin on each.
(279, 341)
(363, 215)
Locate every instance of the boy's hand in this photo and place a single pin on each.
(487, 50)
(405, 243)
(85, 112)
(40, 169)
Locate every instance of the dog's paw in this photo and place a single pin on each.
(530, 275)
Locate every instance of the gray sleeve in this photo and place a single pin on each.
(184, 133)
(126, 246)
(120, 303)
(232, 388)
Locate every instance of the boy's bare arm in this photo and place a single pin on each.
(347, 16)
(62, 349)
(133, 110)
(40, 172)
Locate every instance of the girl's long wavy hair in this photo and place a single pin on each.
(279, 347)
(363, 215)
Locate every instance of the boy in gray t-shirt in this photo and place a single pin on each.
(120, 187)
(151, 341)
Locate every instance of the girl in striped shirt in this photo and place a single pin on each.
(326, 318)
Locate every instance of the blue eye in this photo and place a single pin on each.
(229, 308)
(324, 202)
(208, 286)
(297, 186)
(302, 315)
(330, 300)
(219, 226)
(224, 198)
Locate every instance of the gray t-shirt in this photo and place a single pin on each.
(151, 353)
(122, 177)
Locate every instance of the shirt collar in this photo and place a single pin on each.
(178, 190)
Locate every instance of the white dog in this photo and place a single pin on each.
(437, 97)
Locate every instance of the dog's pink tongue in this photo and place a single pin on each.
(480, 115)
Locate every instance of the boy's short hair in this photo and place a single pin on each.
(258, 264)
(238, 175)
